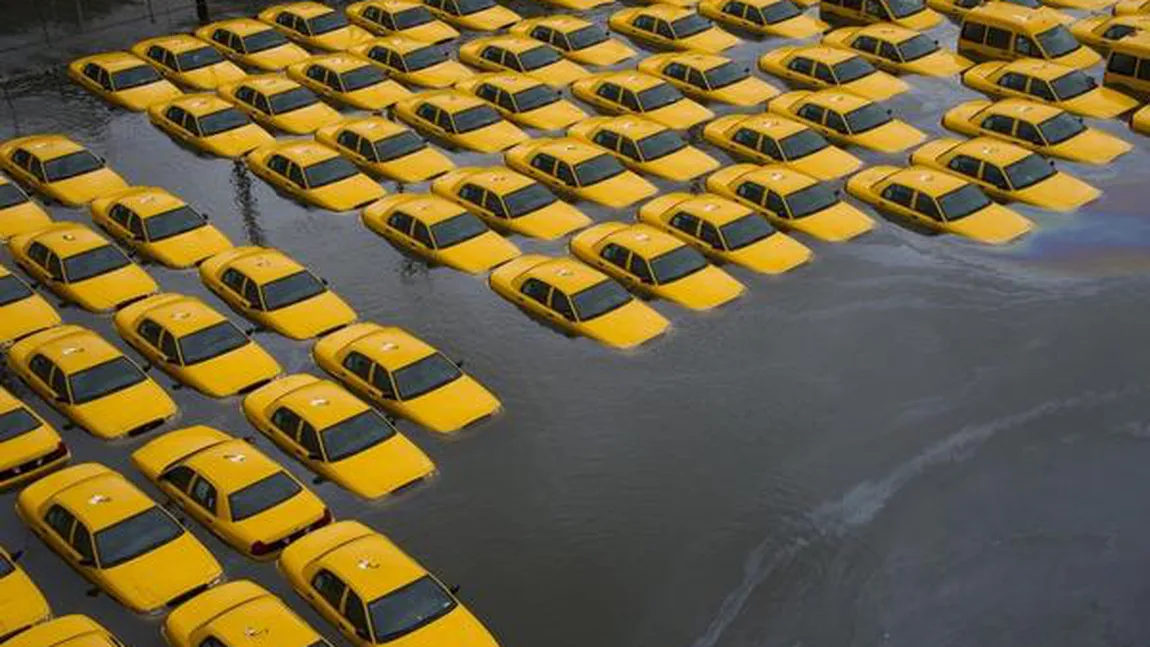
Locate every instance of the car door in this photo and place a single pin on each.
(685, 223)
(999, 125)
(638, 272)
(427, 115)
(800, 68)
(926, 211)
(176, 482)
(965, 165)
(285, 428)
(356, 368)
(296, 182)
(204, 501)
(232, 290)
(813, 115)
(59, 531)
(149, 334)
(560, 306)
(615, 259)
(898, 198)
(607, 95)
(328, 592)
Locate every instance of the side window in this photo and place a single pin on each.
(536, 289)
(55, 267)
(381, 380)
(565, 174)
(41, 367)
(898, 194)
(21, 157)
(609, 91)
(492, 203)
(472, 193)
(1121, 64)
(506, 102)
(204, 494)
(279, 164)
(60, 521)
(999, 124)
(823, 73)
(400, 222)
(544, 163)
(59, 383)
(561, 304)
(686, 223)
(92, 72)
(1028, 132)
(973, 31)
(628, 148)
(965, 165)
(366, 149)
(676, 70)
(639, 268)
(180, 476)
(888, 51)
(630, 101)
(348, 140)
(615, 254)
(156, 53)
(836, 122)
(262, 104)
(998, 38)
(120, 215)
(252, 294)
(751, 192)
(746, 137)
(493, 54)
(875, 8)
(422, 234)
(776, 205)
(866, 44)
(664, 30)
(38, 253)
(644, 22)
(168, 347)
(82, 542)
(1013, 81)
(1041, 89)
(286, 421)
(443, 120)
(295, 174)
(770, 148)
(234, 280)
(487, 92)
(802, 65)
(710, 235)
(1117, 32)
(309, 440)
(1144, 69)
(329, 587)
(358, 365)
(317, 73)
(356, 614)
(926, 205)
(136, 226)
(1026, 47)
(811, 112)
(695, 78)
(150, 331)
(993, 175)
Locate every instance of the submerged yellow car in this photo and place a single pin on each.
(459, 119)
(80, 266)
(22, 310)
(474, 15)
(938, 201)
(378, 579)
(405, 376)
(24, 604)
(521, 54)
(846, 118)
(314, 25)
(1131, 7)
(280, 103)
(188, 61)
(1140, 121)
(818, 66)
(337, 436)
(709, 77)
(243, 497)
(414, 61)
(578, 300)
(18, 213)
(276, 292)
(1068, 88)
(65, 631)
(400, 17)
(1007, 172)
(315, 174)
(668, 26)
(196, 345)
(238, 613)
(439, 231)
(59, 169)
(349, 79)
(209, 124)
(772, 139)
(510, 201)
(1099, 32)
(577, 5)
(573, 168)
(1040, 127)
(383, 147)
(117, 537)
(646, 146)
(640, 93)
(898, 50)
(29, 448)
(523, 99)
(580, 40)
(724, 231)
(957, 9)
(159, 226)
(253, 43)
(791, 200)
(123, 79)
(783, 18)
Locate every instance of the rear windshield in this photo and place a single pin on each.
(1028, 171)
(222, 121)
(262, 496)
(661, 144)
(362, 77)
(134, 77)
(197, 58)
(71, 165)
(745, 231)
(135, 536)
(1058, 41)
(657, 96)
(917, 47)
(292, 100)
(853, 69)
(1073, 84)
(528, 199)
(962, 202)
(585, 37)
(173, 223)
(263, 40)
(780, 11)
(292, 289)
(1061, 127)
(428, 374)
(94, 262)
(904, 8)
(16, 423)
(328, 172)
(803, 143)
(404, 143)
(454, 231)
(690, 25)
(329, 21)
(104, 379)
(11, 195)
(12, 290)
(599, 299)
(423, 58)
(412, 17)
(726, 74)
(475, 118)
(597, 169)
(538, 57)
(811, 200)
(866, 118)
(354, 435)
(536, 97)
(676, 264)
(211, 342)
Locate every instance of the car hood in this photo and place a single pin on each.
(713, 40)
(347, 194)
(609, 52)
(418, 166)
(185, 565)
(878, 86)
(441, 75)
(238, 141)
(1060, 192)
(20, 604)
(126, 410)
(232, 372)
(892, 137)
(830, 163)
(1091, 145)
(190, 248)
(458, 627)
(452, 406)
(307, 120)
(747, 92)
(996, 225)
(26, 447)
(620, 191)
(553, 116)
(141, 97)
(1102, 103)
(384, 468)
(837, 223)
(493, 138)
(553, 221)
(313, 316)
(708, 288)
(680, 115)
(683, 165)
(378, 96)
(480, 253)
(82, 189)
(1081, 58)
(25, 317)
(212, 76)
(627, 326)
(22, 218)
(774, 254)
(106, 291)
(491, 19)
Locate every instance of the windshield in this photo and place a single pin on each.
(222, 121)
(726, 74)
(1073, 84)
(1061, 127)
(811, 200)
(404, 143)
(597, 169)
(94, 262)
(16, 422)
(424, 58)
(803, 143)
(853, 69)
(292, 289)
(71, 165)
(11, 195)
(329, 21)
(528, 199)
(197, 58)
(173, 223)
(656, 97)
(211, 342)
(362, 77)
(260, 41)
(292, 99)
(536, 97)
(745, 231)
(473, 6)
(357, 433)
(917, 47)
(1029, 170)
(262, 495)
(690, 25)
(475, 118)
(586, 37)
(779, 11)
(1058, 41)
(960, 203)
(406, 609)
(134, 77)
(104, 379)
(135, 536)
(412, 17)
(328, 172)
(904, 8)
(12, 290)
(538, 57)
(428, 374)
(661, 144)
(676, 264)
(456, 230)
(599, 299)
(866, 118)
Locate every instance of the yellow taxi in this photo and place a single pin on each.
(280, 103)
(243, 497)
(510, 201)
(123, 79)
(208, 124)
(580, 40)
(459, 119)
(314, 25)
(724, 231)
(523, 99)
(65, 631)
(269, 288)
(577, 5)
(912, 14)
(819, 66)
(159, 226)
(1066, 87)
(81, 266)
(59, 169)
(29, 448)
(709, 77)
(846, 118)
(782, 18)
(573, 168)
(357, 579)
(18, 212)
(238, 613)
(315, 174)
(655, 264)
(400, 17)
(414, 61)
(1099, 32)
(939, 202)
(1131, 7)
(24, 604)
(577, 299)
(898, 50)
(385, 148)
(349, 79)
(90, 381)
(791, 200)
(1128, 66)
(1140, 121)
(337, 435)
(196, 345)
(438, 230)
(629, 92)
(405, 376)
(1007, 172)
(1004, 31)
(188, 61)
(645, 146)
(1085, 5)
(669, 26)
(1039, 127)
(117, 537)
(957, 9)
(521, 54)
(252, 43)
(22, 310)
(473, 15)
(771, 139)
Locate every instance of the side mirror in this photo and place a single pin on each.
(324, 281)
(251, 330)
(16, 555)
(459, 363)
(454, 588)
(207, 216)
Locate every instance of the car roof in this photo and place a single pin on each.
(241, 26)
(563, 23)
(629, 79)
(992, 150)
(712, 208)
(269, 83)
(147, 201)
(511, 42)
(48, 147)
(260, 620)
(1031, 111)
(304, 152)
(780, 179)
(373, 128)
(1035, 20)
(823, 53)
(499, 179)
(887, 31)
(632, 126)
(232, 465)
(1045, 70)
(74, 349)
(103, 500)
(771, 124)
(664, 11)
(927, 180)
(643, 239)
(114, 61)
(838, 100)
(263, 264)
(398, 43)
(569, 150)
(304, 9)
(451, 100)
(201, 104)
(339, 62)
(427, 208)
(510, 81)
(567, 274)
(183, 315)
(372, 565)
(176, 43)
(66, 239)
(323, 403)
(392, 347)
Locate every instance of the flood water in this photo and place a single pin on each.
(911, 441)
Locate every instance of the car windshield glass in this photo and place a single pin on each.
(690, 25)
(457, 230)
(104, 379)
(222, 121)
(292, 289)
(404, 143)
(211, 342)
(853, 69)
(12, 290)
(260, 41)
(780, 11)
(916, 47)
(1061, 127)
(810, 200)
(538, 57)
(904, 8)
(475, 118)
(676, 264)
(94, 262)
(657, 96)
(173, 223)
(16, 423)
(11, 195)
(528, 199)
(412, 17)
(71, 165)
(424, 58)
(329, 21)
(426, 375)
(134, 77)
(291, 100)
(262, 496)
(746, 230)
(866, 118)
(661, 144)
(1029, 170)
(726, 74)
(362, 77)
(328, 172)
(197, 58)
(135, 536)
(962, 202)
(597, 169)
(357, 433)
(803, 143)
(1073, 84)
(536, 97)
(599, 299)
(473, 6)
(586, 36)
(1058, 41)
(406, 609)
